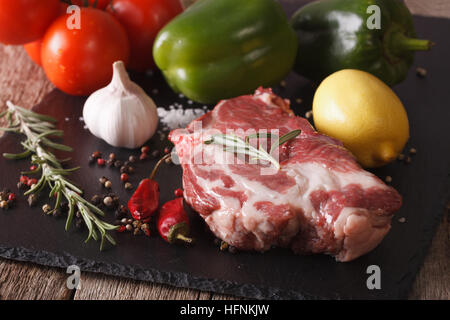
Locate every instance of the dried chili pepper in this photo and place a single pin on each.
(145, 200)
(173, 222)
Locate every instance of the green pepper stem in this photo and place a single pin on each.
(183, 238)
(403, 43)
(158, 164)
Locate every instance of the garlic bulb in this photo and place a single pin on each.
(122, 114)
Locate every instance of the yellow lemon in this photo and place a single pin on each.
(364, 113)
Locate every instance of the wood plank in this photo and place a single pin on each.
(97, 286)
(25, 281)
(21, 81)
(432, 8)
(433, 280)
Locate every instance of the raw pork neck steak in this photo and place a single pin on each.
(320, 201)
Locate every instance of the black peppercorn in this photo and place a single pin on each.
(155, 154)
(4, 204)
(32, 200)
(57, 213)
(123, 169)
(128, 186)
(132, 159)
(118, 163)
(127, 163)
(10, 203)
(108, 201)
(223, 246)
(119, 214)
(91, 160)
(79, 223)
(96, 199)
(232, 249)
(64, 207)
(130, 169)
(21, 186)
(123, 209)
(110, 163)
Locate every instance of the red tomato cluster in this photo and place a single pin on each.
(79, 60)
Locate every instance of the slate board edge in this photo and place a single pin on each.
(419, 258)
(177, 279)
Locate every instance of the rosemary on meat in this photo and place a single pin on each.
(37, 129)
(234, 144)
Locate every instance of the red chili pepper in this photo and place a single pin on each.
(121, 229)
(11, 197)
(24, 179)
(173, 222)
(30, 182)
(33, 167)
(101, 162)
(145, 200)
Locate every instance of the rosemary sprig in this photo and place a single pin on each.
(38, 128)
(235, 144)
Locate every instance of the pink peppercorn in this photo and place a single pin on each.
(178, 192)
(143, 156)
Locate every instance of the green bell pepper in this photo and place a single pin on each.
(334, 35)
(219, 49)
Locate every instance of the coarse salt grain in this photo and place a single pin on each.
(177, 117)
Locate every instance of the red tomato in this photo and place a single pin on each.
(79, 61)
(34, 48)
(101, 4)
(142, 21)
(34, 51)
(23, 21)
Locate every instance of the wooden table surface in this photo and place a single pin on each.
(25, 84)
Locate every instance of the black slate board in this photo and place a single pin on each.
(28, 235)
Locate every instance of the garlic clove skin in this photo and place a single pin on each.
(122, 113)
